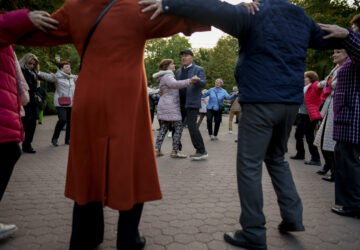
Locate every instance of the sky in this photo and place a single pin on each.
(209, 39)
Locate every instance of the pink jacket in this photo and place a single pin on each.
(13, 25)
(313, 101)
(168, 108)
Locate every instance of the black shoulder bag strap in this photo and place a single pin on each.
(217, 98)
(93, 28)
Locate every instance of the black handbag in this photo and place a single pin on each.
(93, 28)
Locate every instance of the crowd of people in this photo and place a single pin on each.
(101, 168)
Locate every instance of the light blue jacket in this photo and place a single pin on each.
(215, 101)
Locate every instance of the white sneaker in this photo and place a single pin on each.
(6, 230)
(177, 154)
(230, 132)
(215, 138)
(212, 137)
(170, 134)
(199, 157)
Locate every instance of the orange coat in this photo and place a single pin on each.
(111, 156)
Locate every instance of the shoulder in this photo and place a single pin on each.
(197, 67)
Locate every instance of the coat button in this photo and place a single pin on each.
(166, 7)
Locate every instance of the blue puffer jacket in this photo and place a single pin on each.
(273, 43)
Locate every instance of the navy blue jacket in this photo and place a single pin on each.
(273, 44)
(190, 97)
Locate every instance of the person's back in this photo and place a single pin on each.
(269, 73)
(273, 44)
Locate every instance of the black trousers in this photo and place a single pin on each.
(152, 111)
(88, 226)
(29, 129)
(64, 114)
(9, 154)
(195, 135)
(216, 116)
(329, 161)
(306, 127)
(347, 175)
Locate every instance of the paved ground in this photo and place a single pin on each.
(200, 202)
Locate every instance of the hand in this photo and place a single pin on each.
(334, 31)
(251, 7)
(237, 93)
(152, 5)
(194, 79)
(43, 21)
(160, 92)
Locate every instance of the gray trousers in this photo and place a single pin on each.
(264, 131)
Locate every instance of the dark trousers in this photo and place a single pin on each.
(9, 154)
(152, 111)
(201, 117)
(264, 131)
(216, 116)
(347, 175)
(195, 135)
(88, 226)
(29, 129)
(64, 114)
(329, 161)
(306, 127)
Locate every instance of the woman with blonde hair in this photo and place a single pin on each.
(29, 64)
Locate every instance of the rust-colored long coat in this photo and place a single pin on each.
(111, 155)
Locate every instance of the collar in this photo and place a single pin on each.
(186, 67)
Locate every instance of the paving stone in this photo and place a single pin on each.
(200, 201)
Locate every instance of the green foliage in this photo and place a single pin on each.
(48, 5)
(49, 104)
(164, 48)
(326, 11)
(221, 62)
(217, 62)
(48, 57)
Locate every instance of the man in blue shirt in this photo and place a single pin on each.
(269, 72)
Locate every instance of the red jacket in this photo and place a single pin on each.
(313, 101)
(13, 25)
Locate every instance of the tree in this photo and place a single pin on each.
(158, 49)
(326, 11)
(221, 63)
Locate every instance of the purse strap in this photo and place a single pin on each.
(217, 98)
(93, 28)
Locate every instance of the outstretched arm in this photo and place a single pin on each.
(232, 19)
(47, 77)
(15, 24)
(351, 39)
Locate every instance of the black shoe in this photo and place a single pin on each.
(322, 171)
(140, 243)
(237, 239)
(285, 227)
(137, 245)
(297, 157)
(344, 211)
(28, 150)
(315, 163)
(54, 142)
(328, 178)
